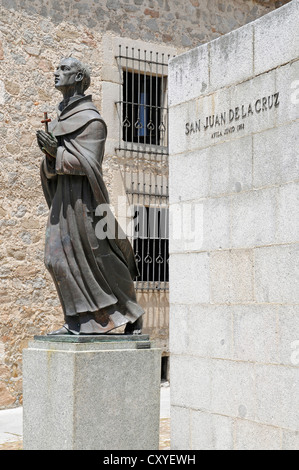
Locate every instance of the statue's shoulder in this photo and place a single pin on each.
(77, 115)
(81, 105)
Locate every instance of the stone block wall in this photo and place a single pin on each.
(234, 194)
(34, 35)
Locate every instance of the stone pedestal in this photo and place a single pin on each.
(91, 393)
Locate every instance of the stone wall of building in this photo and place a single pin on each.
(182, 23)
(34, 35)
(234, 298)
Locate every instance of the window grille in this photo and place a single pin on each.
(151, 247)
(142, 97)
(143, 141)
(142, 105)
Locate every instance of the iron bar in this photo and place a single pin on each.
(143, 112)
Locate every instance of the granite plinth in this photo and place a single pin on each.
(91, 393)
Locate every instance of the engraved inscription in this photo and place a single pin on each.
(232, 118)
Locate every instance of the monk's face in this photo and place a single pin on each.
(67, 75)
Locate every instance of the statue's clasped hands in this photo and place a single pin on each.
(47, 143)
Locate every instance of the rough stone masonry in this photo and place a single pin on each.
(33, 34)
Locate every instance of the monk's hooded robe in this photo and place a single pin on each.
(93, 277)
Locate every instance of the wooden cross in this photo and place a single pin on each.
(46, 121)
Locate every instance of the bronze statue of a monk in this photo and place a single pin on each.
(93, 277)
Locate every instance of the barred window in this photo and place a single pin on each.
(142, 110)
(142, 105)
(143, 144)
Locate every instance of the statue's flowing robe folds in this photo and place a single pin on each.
(93, 276)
